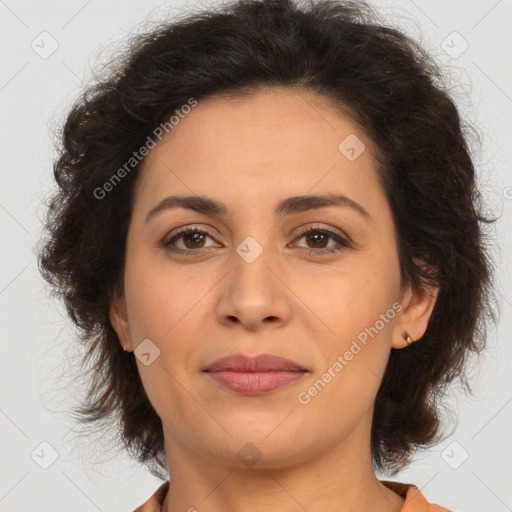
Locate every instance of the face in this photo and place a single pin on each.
(247, 279)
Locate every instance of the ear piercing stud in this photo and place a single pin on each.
(408, 338)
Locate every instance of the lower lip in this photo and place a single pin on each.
(254, 383)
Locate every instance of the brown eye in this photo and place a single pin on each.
(317, 240)
(193, 240)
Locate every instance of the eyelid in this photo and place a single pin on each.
(183, 230)
(318, 227)
(340, 237)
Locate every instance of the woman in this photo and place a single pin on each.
(267, 229)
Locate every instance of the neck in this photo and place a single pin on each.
(340, 479)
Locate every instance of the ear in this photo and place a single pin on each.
(417, 306)
(119, 321)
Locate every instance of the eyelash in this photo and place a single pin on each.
(344, 243)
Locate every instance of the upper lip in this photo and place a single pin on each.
(261, 363)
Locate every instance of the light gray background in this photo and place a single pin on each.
(37, 348)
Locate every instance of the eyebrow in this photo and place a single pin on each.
(288, 206)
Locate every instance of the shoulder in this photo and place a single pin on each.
(154, 503)
(415, 501)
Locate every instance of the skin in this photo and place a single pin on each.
(292, 301)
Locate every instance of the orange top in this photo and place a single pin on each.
(414, 500)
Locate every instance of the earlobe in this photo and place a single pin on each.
(412, 322)
(119, 321)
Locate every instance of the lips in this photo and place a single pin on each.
(254, 375)
(263, 363)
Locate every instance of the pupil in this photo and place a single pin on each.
(321, 235)
(195, 237)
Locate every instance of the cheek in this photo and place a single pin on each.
(161, 307)
(353, 362)
(159, 298)
(353, 296)
(359, 312)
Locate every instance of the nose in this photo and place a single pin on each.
(254, 295)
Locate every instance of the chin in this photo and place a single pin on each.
(258, 446)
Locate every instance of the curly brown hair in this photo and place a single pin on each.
(387, 83)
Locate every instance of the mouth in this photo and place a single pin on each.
(254, 375)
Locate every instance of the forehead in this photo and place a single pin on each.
(270, 123)
(274, 141)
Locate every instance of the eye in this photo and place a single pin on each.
(193, 238)
(319, 238)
